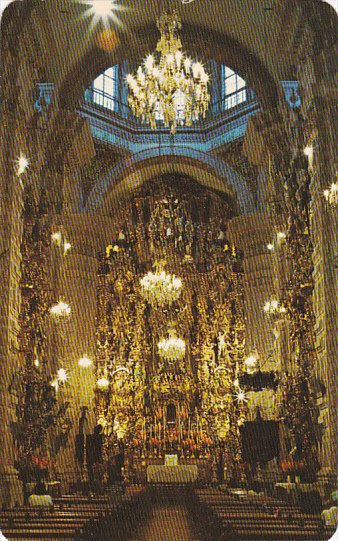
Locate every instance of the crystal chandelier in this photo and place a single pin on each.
(169, 85)
(62, 309)
(172, 348)
(160, 288)
(274, 307)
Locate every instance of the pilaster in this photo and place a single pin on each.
(75, 276)
(10, 259)
(319, 92)
(252, 233)
(79, 154)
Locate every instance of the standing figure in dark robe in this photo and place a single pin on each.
(83, 431)
(119, 462)
(94, 453)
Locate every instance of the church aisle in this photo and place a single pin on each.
(167, 524)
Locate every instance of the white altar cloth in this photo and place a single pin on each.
(185, 473)
(44, 500)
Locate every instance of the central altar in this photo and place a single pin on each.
(172, 472)
(189, 470)
(170, 334)
(181, 473)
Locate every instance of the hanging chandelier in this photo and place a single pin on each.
(169, 85)
(160, 288)
(274, 308)
(60, 310)
(172, 348)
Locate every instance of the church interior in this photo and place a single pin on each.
(168, 336)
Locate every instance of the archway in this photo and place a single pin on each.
(183, 160)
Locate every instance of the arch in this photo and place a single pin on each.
(147, 164)
(220, 47)
(212, 40)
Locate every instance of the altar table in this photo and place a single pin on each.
(183, 473)
(43, 500)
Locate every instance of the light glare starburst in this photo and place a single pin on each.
(102, 10)
(62, 375)
(22, 164)
(241, 396)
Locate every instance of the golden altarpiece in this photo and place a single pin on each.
(183, 401)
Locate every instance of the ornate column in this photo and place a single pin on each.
(320, 138)
(13, 143)
(298, 407)
(236, 348)
(267, 263)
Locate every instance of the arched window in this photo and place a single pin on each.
(105, 89)
(234, 89)
(109, 91)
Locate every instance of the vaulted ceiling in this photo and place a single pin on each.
(254, 37)
(259, 39)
